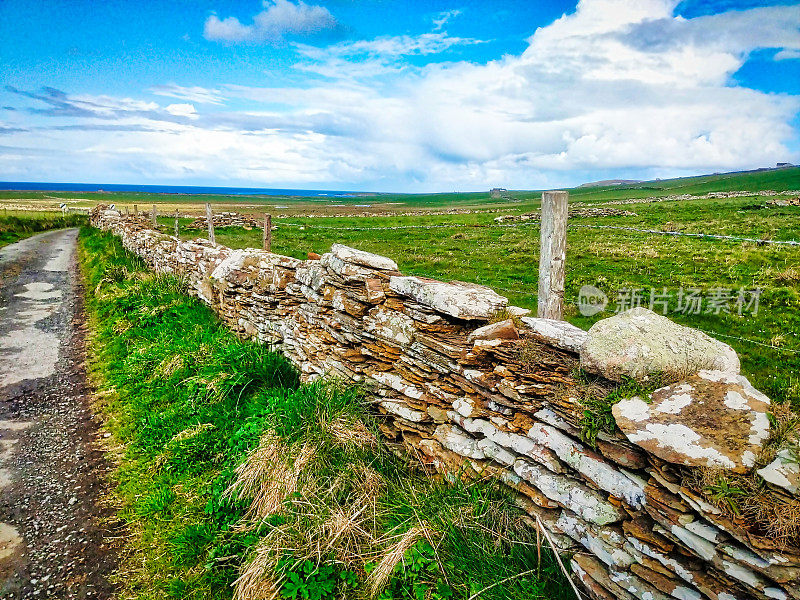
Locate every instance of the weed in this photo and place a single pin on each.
(597, 413)
(308, 580)
(504, 314)
(419, 576)
(723, 491)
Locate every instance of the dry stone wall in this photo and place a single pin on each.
(502, 399)
(225, 219)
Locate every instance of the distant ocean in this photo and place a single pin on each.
(169, 189)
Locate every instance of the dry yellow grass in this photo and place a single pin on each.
(269, 476)
(380, 575)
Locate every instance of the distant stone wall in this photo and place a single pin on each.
(504, 399)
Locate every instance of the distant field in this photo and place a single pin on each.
(472, 247)
(777, 180)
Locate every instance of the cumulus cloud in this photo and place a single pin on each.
(613, 87)
(279, 19)
(788, 54)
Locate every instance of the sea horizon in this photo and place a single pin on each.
(38, 186)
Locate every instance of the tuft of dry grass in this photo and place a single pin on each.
(258, 580)
(379, 576)
(169, 365)
(788, 275)
(269, 476)
(350, 432)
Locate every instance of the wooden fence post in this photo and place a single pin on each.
(155, 213)
(176, 222)
(210, 218)
(135, 210)
(552, 254)
(268, 233)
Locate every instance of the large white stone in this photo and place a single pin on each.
(360, 257)
(641, 344)
(455, 440)
(589, 464)
(586, 503)
(457, 299)
(390, 325)
(713, 419)
(558, 333)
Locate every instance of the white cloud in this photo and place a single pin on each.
(443, 18)
(279, 19)
(381, 56)
(788, 54)
(182, 110)
(196, 94)
(616, 86)
(391, 46)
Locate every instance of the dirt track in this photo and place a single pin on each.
(51, 472)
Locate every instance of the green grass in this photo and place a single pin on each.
(186, 402)
(15, 226)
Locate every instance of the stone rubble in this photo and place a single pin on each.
(573, 213)
(225, 219)
(503, 400)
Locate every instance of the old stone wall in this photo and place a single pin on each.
(506, 399)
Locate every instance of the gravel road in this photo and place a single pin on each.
(52, 472)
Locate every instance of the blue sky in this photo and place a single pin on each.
(395, 96)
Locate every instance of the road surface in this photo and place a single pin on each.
(52, 472)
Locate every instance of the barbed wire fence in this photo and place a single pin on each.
(532, 223)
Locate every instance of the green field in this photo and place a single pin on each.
(471, 247)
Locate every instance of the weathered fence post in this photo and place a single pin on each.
(176, 222)
(127, 211)
(210, 219)
(155, 214)
(268, 233)
(552, 254)
(135, 210)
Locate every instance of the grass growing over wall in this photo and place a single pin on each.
(14, 228)
(228, 466)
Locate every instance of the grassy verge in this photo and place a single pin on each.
(227, 466)
(14, 228)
